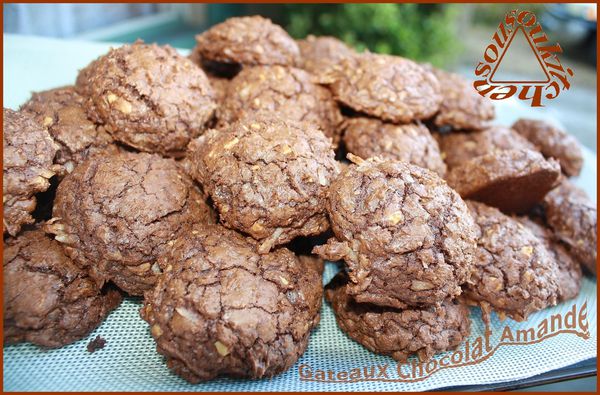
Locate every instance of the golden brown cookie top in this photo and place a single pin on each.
(249, 40)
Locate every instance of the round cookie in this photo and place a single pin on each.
(512, 180)
(286, 91)
(28, 152)
(318, 54)
(460, 147)
(569, 271)
(267, 177)
(62, 111)
(573, 218)
(399, 333)
(411, 142)
(48, 300)
(223, 309)
(148, 97)
(514, 274)
(406, 237)
(116, 215)
(388, 87)
(250, 40)
(553, 143)
(462, 107)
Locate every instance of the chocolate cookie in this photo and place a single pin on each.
(285, 91)
(569, 270)
(148, 97)
(411, 142)
(116, 215)
(460, 147)
(514, 274)
(28, 156)
(553, 143)
(223, 309)
(512, 180)
(407, 238)
(48, 300)
(462, 107)
(572, 216)
(219, 86)
(62, 111)
(388, 87)
(399, 333)
(318, 54)
(267, 177)
(249, 40)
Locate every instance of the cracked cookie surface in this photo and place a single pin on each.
(116, 215)
(61, 110)
(569, 271)
(512, 180)
(573, 217)
(223, 309)
(399, 333)
(250, 40)
(286, 91)
(460, 147)
(148, 97)
(514, 274)
(28, 152)
(461, 107)
(412, 142)
(267, 178)
(553, 143)
(406, 237)
(388, 87)
(48, 300)
(319, 53)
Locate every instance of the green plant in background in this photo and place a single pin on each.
(492, 14)
(424, 32)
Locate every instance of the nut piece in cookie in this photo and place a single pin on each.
(513, 180)
(29, 153)
(573, 218)
(399, 333)
(411, 142)
(222, 309)
(569, 270)
(116, 215)
(406, 237)
(460, 147)
(267, 177)
(514, 274)
(462, 107)
(48, 300)
(553, 143)
(148, 97)
(250, 40)
(388, 87)
(286, 91)
(62, 111)
(318, 54)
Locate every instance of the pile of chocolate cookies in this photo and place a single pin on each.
(204, 183)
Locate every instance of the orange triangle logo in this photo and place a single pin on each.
(505, 56)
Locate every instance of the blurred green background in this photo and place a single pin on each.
(424, 32)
